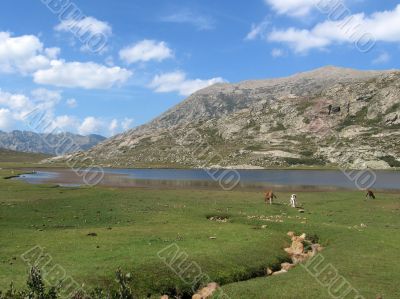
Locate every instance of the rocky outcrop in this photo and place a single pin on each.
(300, 250)
(326, 117)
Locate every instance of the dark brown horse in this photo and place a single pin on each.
(370, 194)
(269, 196)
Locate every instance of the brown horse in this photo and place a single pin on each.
(269, 196)
(370, 194)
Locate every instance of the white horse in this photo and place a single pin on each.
(293, 200)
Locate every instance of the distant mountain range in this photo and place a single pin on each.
(326, 117)
(50, 144)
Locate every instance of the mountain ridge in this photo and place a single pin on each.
(279, 122)
(27, 141)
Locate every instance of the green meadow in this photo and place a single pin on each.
(91, 232)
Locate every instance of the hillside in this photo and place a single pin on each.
(51, 144)
(13, 156)
(326, 117)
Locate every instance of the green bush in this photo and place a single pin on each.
(391, 161)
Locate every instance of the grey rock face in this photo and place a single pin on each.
(329, 116)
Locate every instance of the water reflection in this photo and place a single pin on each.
(197, 178)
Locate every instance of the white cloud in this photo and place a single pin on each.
(188, 17)
(277, 53)
(84, 25)
(296, 8)
(46, 95)
(65, 123)
(177, 82)
(71, 103)
(126, 124)
(113, 126)
(6, 119)
(37, 113)
(359, 29)
(90, 125)
(144, 51)
(87, 75)
(20, 105)
(24, 54)
(96, 125)
(258, 30)
(14, 101)
(384, 57)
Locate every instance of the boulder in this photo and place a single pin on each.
(279, 272)
(297, 247)
(206, 292)
(287, 266)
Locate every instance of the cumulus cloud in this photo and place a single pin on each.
(117, 126)
(90, 125)
(36, 112)
(18, 106)
(97, 125)
(360, 29)
(65, 123)
(178, 82)
(24, 54)
(6, 119)
(84, 25)
(126, 123)
(87, 75)
(146, 50)
(201, 22)
(296, 8)
(45, 95)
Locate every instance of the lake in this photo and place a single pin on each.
(308, 179)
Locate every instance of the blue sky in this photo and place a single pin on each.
(107, 66)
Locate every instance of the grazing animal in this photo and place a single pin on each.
(269, 196)
(293, 200)
(370, 195)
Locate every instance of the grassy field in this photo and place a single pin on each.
(10, 158)
(90, 232)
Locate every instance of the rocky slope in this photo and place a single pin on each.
(328, 116)
(24, 141)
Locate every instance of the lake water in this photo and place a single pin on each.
(317, 179)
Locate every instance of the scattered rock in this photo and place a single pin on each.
(287, 266)
(207, 291)
(212, 238)
(301, 249)
(279, 272)
(218, 219)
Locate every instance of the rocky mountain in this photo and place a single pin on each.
(51, 144)
(326, 117)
